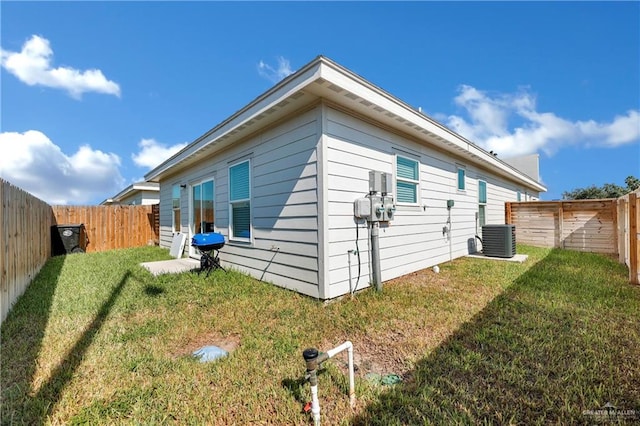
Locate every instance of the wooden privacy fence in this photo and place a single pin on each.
(25, 242)
(586, 225)
(608, 226)
(111, 227)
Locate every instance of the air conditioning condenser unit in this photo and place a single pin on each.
(499, 240)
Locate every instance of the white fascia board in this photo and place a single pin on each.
(274, 96)
(355, 84)
(146, 186)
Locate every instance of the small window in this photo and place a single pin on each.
(482, 192)
(175, 195)
(461, 179)
(482, 202)
(519, 195)
(240, 201)
(407, 179)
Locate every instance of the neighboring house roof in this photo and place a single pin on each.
(132, 190)
(323, 78)
(527, 164)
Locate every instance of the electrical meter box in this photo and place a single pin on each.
(450, 204)
(374, 208)
(389, 208)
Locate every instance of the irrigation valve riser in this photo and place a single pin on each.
(313, 359)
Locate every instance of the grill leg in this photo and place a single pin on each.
(216, 261)
(209, 262)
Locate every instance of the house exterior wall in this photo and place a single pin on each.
(306, 173)
(284, 203)
(141, 198)
(414, 239)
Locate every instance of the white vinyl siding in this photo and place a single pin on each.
(288, 236)
(413, 239)
(283, 248)
(240, 201)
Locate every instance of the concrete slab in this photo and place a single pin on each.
(173, 266)
(518, 258)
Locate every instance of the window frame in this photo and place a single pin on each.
(235, 202)
(482, 205)
(175, 208)
(462, 169)
(415, 182)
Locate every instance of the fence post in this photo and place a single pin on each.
(621, 215)
(614, 214)
(633, 238)
(507, 213)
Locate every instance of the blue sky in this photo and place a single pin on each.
(96, 94)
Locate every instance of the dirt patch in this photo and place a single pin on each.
(393, 350)
(229, 343)
(421, 278)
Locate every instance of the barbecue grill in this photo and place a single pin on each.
(209, 246)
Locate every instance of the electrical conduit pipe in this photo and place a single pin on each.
(314, 359)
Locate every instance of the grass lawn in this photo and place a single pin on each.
(97, 340)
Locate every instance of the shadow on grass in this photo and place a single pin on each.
(562, 341)
(36, 408)
(153, 290)
(22, 334)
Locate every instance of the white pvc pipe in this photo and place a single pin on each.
(352, 387)
(315, 405)
(315, 402)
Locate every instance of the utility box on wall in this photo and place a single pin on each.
(362, 208)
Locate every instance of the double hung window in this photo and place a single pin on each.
(175, 208)
(407, 180)
(240, 201)
(482, 202)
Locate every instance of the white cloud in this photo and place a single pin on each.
(32, 65)
(275, 74)
(31, 161)
(488, 117)
(152, 152)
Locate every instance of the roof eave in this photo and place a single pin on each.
(273, 96)
(324, 69)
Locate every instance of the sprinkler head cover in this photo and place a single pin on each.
(310, 354)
